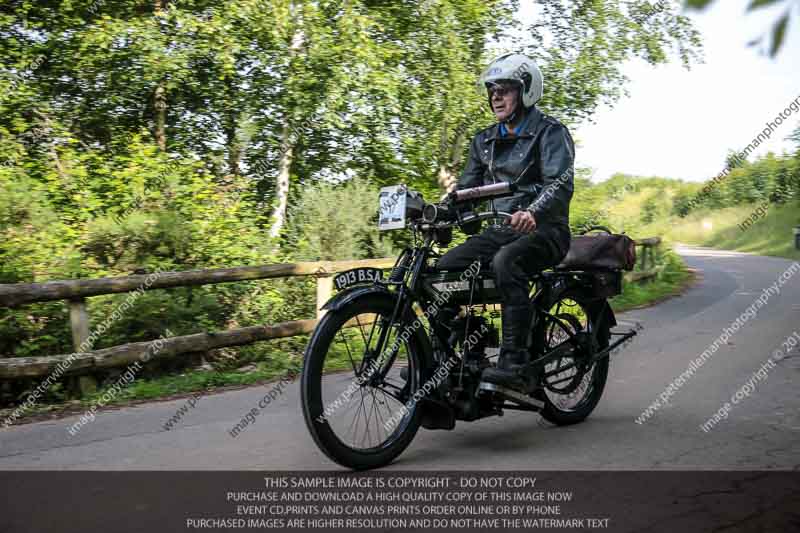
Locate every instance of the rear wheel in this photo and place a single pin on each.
(354, 399)
(571, 394)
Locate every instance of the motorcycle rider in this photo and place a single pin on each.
(536, 152)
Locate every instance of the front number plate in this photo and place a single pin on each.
(392, 208)
(355, 276)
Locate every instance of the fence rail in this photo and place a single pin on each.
(75, 292)
(13, 295)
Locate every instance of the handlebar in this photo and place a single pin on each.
(495, 190)
(433, 221)
(456, 209)
(486, 215)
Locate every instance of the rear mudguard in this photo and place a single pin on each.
(604, 318)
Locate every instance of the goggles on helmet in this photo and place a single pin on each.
(501, 89)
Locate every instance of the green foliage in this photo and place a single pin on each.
(336, 223)
(778, 29)
(583, 45)
(35, 330)
(773, 178)
(650, 210)
(681, 201)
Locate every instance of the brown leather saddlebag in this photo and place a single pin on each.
(603, 251)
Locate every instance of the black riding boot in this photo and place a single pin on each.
(514, 354)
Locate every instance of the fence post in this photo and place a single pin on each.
(79, 322)
(324, 291)
(79, 386)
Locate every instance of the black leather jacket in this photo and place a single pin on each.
(540, 159)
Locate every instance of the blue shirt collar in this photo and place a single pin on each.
(529, 125)
(519, 128)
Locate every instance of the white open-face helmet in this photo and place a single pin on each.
(519, 68)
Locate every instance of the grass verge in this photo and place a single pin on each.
(672, 279)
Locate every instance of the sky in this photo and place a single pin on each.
(681, 124)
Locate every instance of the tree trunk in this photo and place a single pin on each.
(231, 128)
(160, 96)
(282, 181)
(234, 149)
(296, 44)
(160, 106)
(52, 145)
(450, 159)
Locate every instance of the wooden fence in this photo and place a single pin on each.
(76, 292)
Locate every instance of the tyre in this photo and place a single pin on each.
(357, 418)
(572, 394)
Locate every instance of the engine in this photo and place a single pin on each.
(478, 339)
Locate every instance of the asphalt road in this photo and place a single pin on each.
(761, 431)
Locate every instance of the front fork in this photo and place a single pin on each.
(409, 265)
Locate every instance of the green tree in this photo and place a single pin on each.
(778, 30)
(582, 46)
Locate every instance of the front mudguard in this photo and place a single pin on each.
(340, 299)
(436, 414)
(353, 294)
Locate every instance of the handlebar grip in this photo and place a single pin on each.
(484, 191)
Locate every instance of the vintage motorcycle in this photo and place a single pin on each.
(386, 359)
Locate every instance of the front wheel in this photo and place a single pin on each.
(571, 394)
(355, 402)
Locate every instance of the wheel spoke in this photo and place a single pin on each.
(567, 386)
(362, 410)
(353, 421)
(366, 418)
(367, 395)
(361, 330)
(376, 412)
(349, 353)
(387, 404)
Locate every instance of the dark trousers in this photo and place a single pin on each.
(514, 257)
